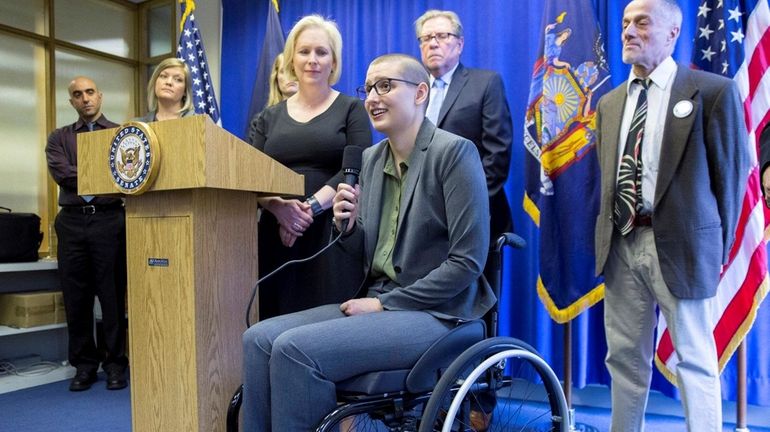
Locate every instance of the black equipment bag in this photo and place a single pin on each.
(20, 236)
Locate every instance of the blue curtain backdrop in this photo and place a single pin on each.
(501, 35)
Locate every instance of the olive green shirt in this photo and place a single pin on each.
(392, 189)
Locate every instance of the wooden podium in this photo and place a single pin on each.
(192, 263)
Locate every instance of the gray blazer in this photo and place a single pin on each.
(704, 164)
(441, 246)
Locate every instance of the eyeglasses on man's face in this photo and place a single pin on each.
(381, 87)
(440, 37)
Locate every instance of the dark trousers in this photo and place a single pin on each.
(92, 263)
(501, 220)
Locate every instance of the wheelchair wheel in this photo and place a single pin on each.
(363, 423)
(376, 415)
(499, 384)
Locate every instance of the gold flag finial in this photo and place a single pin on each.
(275, 3)
(189, 6)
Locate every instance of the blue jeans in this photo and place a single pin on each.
(291, 362)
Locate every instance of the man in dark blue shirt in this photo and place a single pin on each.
(91, 249)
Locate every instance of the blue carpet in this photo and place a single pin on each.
(588, 419)
(53, 408)
(591, 419)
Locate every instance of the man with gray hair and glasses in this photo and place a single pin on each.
(470, 103)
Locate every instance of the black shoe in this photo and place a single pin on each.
(83, 380)
(116, 379)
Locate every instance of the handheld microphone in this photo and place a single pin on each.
(351, 164)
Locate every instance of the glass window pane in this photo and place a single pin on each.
(103, 26)
(23, 170)
(114, 80)
(160, 21)
(26, 15)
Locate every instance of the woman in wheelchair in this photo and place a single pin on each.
(415, 218)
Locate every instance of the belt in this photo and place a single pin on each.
(91, 209)
(643, 220)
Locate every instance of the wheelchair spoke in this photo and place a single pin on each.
(517, 393)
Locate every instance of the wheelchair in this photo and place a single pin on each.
(468, 380)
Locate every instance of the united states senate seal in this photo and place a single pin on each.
(134, 158)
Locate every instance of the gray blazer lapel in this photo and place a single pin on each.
(416, 160)
(373, 205)
(459, 80)
(676, 130)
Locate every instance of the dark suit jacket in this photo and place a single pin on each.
(475, 108)
(440, 247)
(704, 164)
(764, 151)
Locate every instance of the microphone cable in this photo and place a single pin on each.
(351, 167)
(281, 267)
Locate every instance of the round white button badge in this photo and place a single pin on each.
(682, 109)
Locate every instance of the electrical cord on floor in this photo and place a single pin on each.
(34, 369)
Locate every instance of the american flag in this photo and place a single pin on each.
(732, 38)
(190, 50)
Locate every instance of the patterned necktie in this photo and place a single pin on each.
(436, 99)
(628, 196)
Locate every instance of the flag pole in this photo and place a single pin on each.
(568, 374)
(568, 363)
(740, 415)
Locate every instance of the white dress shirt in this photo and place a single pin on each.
(447, 78)
(658, 95)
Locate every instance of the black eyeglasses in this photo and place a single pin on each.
(440, 37)
(381, 87)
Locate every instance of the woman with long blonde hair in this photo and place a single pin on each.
(169, 93)
(281, 87)
(308, 133)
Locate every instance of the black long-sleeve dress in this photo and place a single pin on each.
(314, 149)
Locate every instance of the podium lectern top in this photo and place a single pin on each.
(196, 153)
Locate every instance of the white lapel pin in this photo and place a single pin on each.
(682, 109)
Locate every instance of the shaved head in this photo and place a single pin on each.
(86, 98)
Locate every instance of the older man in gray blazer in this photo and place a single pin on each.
(673, 158)
(414, 218)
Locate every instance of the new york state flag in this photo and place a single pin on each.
(562, 172)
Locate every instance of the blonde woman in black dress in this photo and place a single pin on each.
(308, 133)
